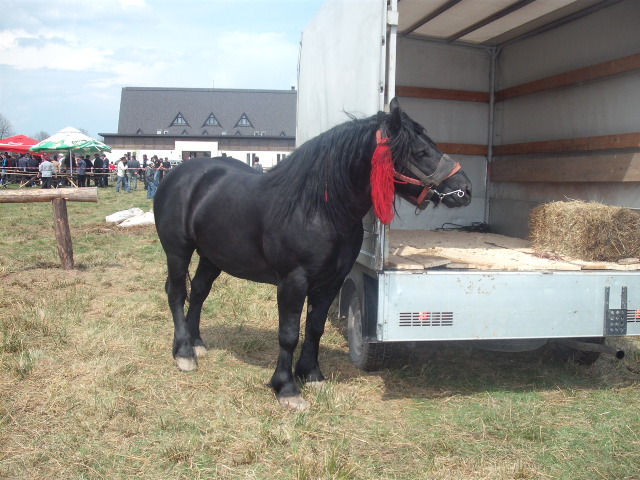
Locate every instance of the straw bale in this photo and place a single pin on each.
(586, 230)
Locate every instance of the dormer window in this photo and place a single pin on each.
(139, 132)
(204, 132)
(179, 120)
(244, 121)
(212, 121)
(184, 132)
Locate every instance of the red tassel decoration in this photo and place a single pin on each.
(382, 184)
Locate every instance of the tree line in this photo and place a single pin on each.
(7, 130)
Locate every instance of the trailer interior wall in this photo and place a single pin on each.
(607, 107)
(427, 64)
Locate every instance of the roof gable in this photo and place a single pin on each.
(212, 121)
(244, 121)
(179, 120)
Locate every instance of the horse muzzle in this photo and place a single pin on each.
(447, 167)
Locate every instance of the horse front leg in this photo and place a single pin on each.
(291, 296)
(308, 366)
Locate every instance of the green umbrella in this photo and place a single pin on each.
(70, 139)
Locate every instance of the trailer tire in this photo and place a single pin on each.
(365, 355)
(568, 354)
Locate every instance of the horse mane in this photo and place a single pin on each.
(323, 175)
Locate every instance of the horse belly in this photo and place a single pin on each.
(241, 264)
(234, 250)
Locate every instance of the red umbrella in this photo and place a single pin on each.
(17, 143)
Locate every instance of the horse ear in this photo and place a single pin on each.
(394, 121)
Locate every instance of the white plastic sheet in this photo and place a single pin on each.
(123, 215)
(144, 219)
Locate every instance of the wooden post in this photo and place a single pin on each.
(58, 198)
(88, 194)
(63, 233)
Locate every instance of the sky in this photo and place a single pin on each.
(64, 62)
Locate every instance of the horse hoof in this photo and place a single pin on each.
(200, 350)
(315, 385)
(187, 364)
(294, 403)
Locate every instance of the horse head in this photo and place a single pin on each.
(407, 157)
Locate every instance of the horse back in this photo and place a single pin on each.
(214, 206)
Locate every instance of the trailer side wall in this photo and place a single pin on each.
(605, 107)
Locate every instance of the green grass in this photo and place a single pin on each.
(88, 388)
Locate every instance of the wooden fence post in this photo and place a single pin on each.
(58, 198)
(63, 233)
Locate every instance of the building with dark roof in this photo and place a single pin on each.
(180, 123)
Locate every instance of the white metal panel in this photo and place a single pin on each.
(435, 65)
(461, 16)
(515, 19)
(448, 121)
(503, 305)
(424, 63)
(439, 19)
(607, 107)
(340, 65)
(415, 10)
(610, 33)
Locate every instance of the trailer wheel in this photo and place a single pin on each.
(568, 354)
(365, 355)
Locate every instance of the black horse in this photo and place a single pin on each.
(299, 227)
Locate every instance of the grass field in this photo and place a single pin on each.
(88, 388)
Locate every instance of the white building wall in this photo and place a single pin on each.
(268, 159)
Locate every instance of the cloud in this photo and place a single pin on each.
(245, 60)
(48, 49)
(126, 4)
(65, 62)
(236, 59)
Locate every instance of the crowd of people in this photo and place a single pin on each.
(129, 171)
(54, 170)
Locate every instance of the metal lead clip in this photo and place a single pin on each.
(458, 192)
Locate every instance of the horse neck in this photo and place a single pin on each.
(330, 174)
(349, 170)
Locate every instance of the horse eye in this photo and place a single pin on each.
(424, 153)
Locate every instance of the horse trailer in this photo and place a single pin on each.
(539, 102)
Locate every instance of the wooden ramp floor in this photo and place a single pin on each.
(420, 249)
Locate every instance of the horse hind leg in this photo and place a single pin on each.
(176, 287)
(201, 284)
